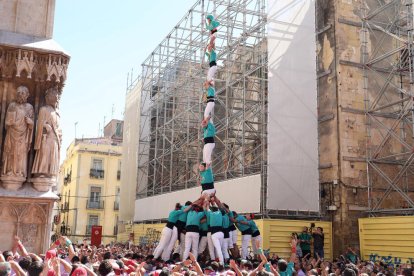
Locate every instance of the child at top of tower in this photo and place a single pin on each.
(211, 24)
(210, 48)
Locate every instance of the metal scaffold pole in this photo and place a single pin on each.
(387, 51)
(171, 87)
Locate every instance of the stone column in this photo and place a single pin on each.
(32, 79)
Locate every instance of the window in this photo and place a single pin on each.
(118, 173)
(116, 202)
(95, 195)
(95, 201)
(97, 170)
(92, 220)
(97, 164)
(118, 130)
(116, 226)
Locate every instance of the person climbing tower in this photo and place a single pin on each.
(210, 48)
(209, 99)
(209, 131)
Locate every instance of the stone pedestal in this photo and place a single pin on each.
(42, 184)
(28, 214)
(11, 182)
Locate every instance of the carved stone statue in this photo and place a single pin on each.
(48, 139)
(19, 132)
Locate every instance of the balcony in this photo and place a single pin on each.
(97, 174)
(95, 204)
(118, 175)
(67, 179)
(116, 205)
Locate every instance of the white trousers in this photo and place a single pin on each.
(218, 239)
(209, 110)
(164, 241)
(254, 247)
(211, 246)
(166, 254)
(233, 236)
(207, 152)
(180, 248)
(211, 73)
(245, 244)
(191, 243)
(225, 248)
(208, 192)
(202, 245)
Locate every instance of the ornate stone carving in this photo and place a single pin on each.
(19, 132)
(50, 67)
(57, 67)
(48, 139)
(25, 62)
(32, 222)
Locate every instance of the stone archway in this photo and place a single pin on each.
(8, 220)
(32, 223)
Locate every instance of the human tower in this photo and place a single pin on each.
(207, 222)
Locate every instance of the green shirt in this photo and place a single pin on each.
(253, 226)
(183, 216)
(211, 55)
(211, 91)
(209, 130)
(173, 216)
(204, 226)
(215, 218)
(226, 221)
(213, 25)
(305, 241)
(207, 176)
(352, 257)
(194, 217)
(289, 270)
(242, 227)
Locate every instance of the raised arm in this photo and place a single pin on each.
(20, 247)
(196, 264)
(56, 266)
(67, 266)
(188, 208)
(35, 257)
(90, 271)
(262, 258)
(68, 242)
(17, 268)
(139, 269)
(235, 267)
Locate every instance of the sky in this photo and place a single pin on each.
(106, 40)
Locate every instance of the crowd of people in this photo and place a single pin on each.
(65, 258)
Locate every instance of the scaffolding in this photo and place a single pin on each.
(387, 63)
(170, 144)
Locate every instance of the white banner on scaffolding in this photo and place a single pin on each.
(241, 194)
(293, 179)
